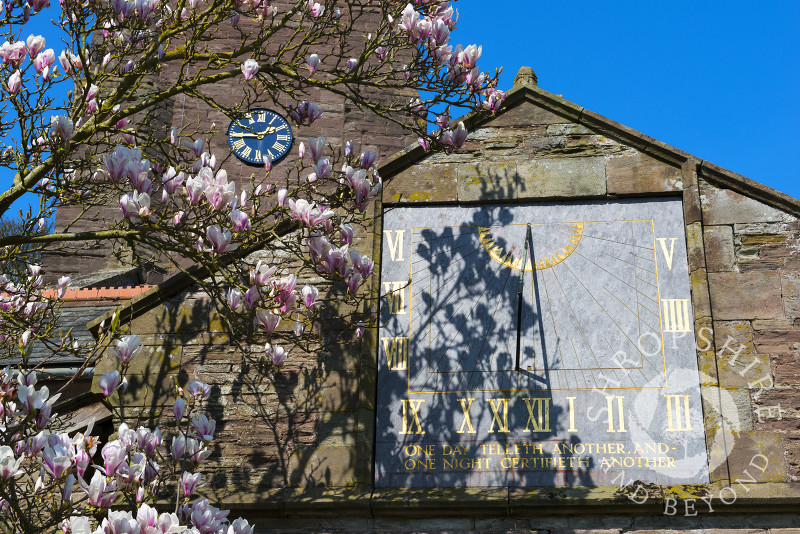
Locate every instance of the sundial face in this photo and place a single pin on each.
(537, 344)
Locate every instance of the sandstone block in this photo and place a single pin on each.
(745, 295)
(723, 206)
(562, 177)
(422, 183)
(487, 181)
(718, 241)
(640, 173)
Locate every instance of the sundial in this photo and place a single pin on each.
(537, 344)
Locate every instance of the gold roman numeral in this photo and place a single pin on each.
(540, 421)
(245, 152)
(396, 350)
(258, 155)
(620, 415)
(282, 137)
(676, 315)
(238, 144)
(396, 246)
(395, 296)
(465, 406)
(262, 116)
(676, 423)
(502, 421)
(413, 406)
(667, 255)
(279, 146)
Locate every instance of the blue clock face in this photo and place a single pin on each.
(260, 133)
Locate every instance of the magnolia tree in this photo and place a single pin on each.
(120, 63)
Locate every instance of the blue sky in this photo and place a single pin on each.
(720, 80)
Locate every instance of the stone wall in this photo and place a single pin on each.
(294, 447)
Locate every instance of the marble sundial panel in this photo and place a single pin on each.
(537, 344)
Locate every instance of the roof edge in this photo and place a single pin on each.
(629, 136)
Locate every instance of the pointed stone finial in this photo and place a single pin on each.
(526, 75)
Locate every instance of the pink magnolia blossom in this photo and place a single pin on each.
(282, 193)
(307, 212)
(36, 44)
(189, 483)
(469, 56)
(278, 355)
(198, 389)
(179, 409)
(220, 239)
(109, 382)
(250, 69)
(310, 294)
(9, 465)
(234, 298)
(323, 168)
(195, 187)
(316, 147)
(268, 320)
(251, 297)
(315, 8)
(127, 348)
(61, 126)
(306, 111)
(44, 60)
(346, 232)
(261, 274)
(353, 282)
(367, 159)
(14, 82)
(204, 426)
(70, 62)
(352, 63)
(128, 206)
(360, 330)
(13, 52)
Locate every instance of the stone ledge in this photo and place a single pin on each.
(361, 501)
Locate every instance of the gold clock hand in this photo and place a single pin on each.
(245, 134)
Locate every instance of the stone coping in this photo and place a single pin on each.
(509, 502)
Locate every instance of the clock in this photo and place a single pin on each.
(537, 344)
(260, 133)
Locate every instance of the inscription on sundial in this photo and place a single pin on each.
(537, 344)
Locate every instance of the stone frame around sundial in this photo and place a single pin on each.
(588, 402)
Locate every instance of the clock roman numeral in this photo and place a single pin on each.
(620, 415)
(675, 421)
(676, 315)
(465, 406)
(413, 407)
(396, 349)
(278, 128)
(238, 144)
(245, 152)
(283, 137)
(279, 146)
(498, 405)
(258, 156)
(541, 421)
(262, 116)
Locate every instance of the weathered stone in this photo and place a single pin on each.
(757, 455)
(422, 183)
(487, 181)
(562, 177)
(723, 206)
(527, 114)
(718, 241)
(745, 295)
(640, 173)
(694, 246)
(786, 369)
(568, 129)
(700, 297)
